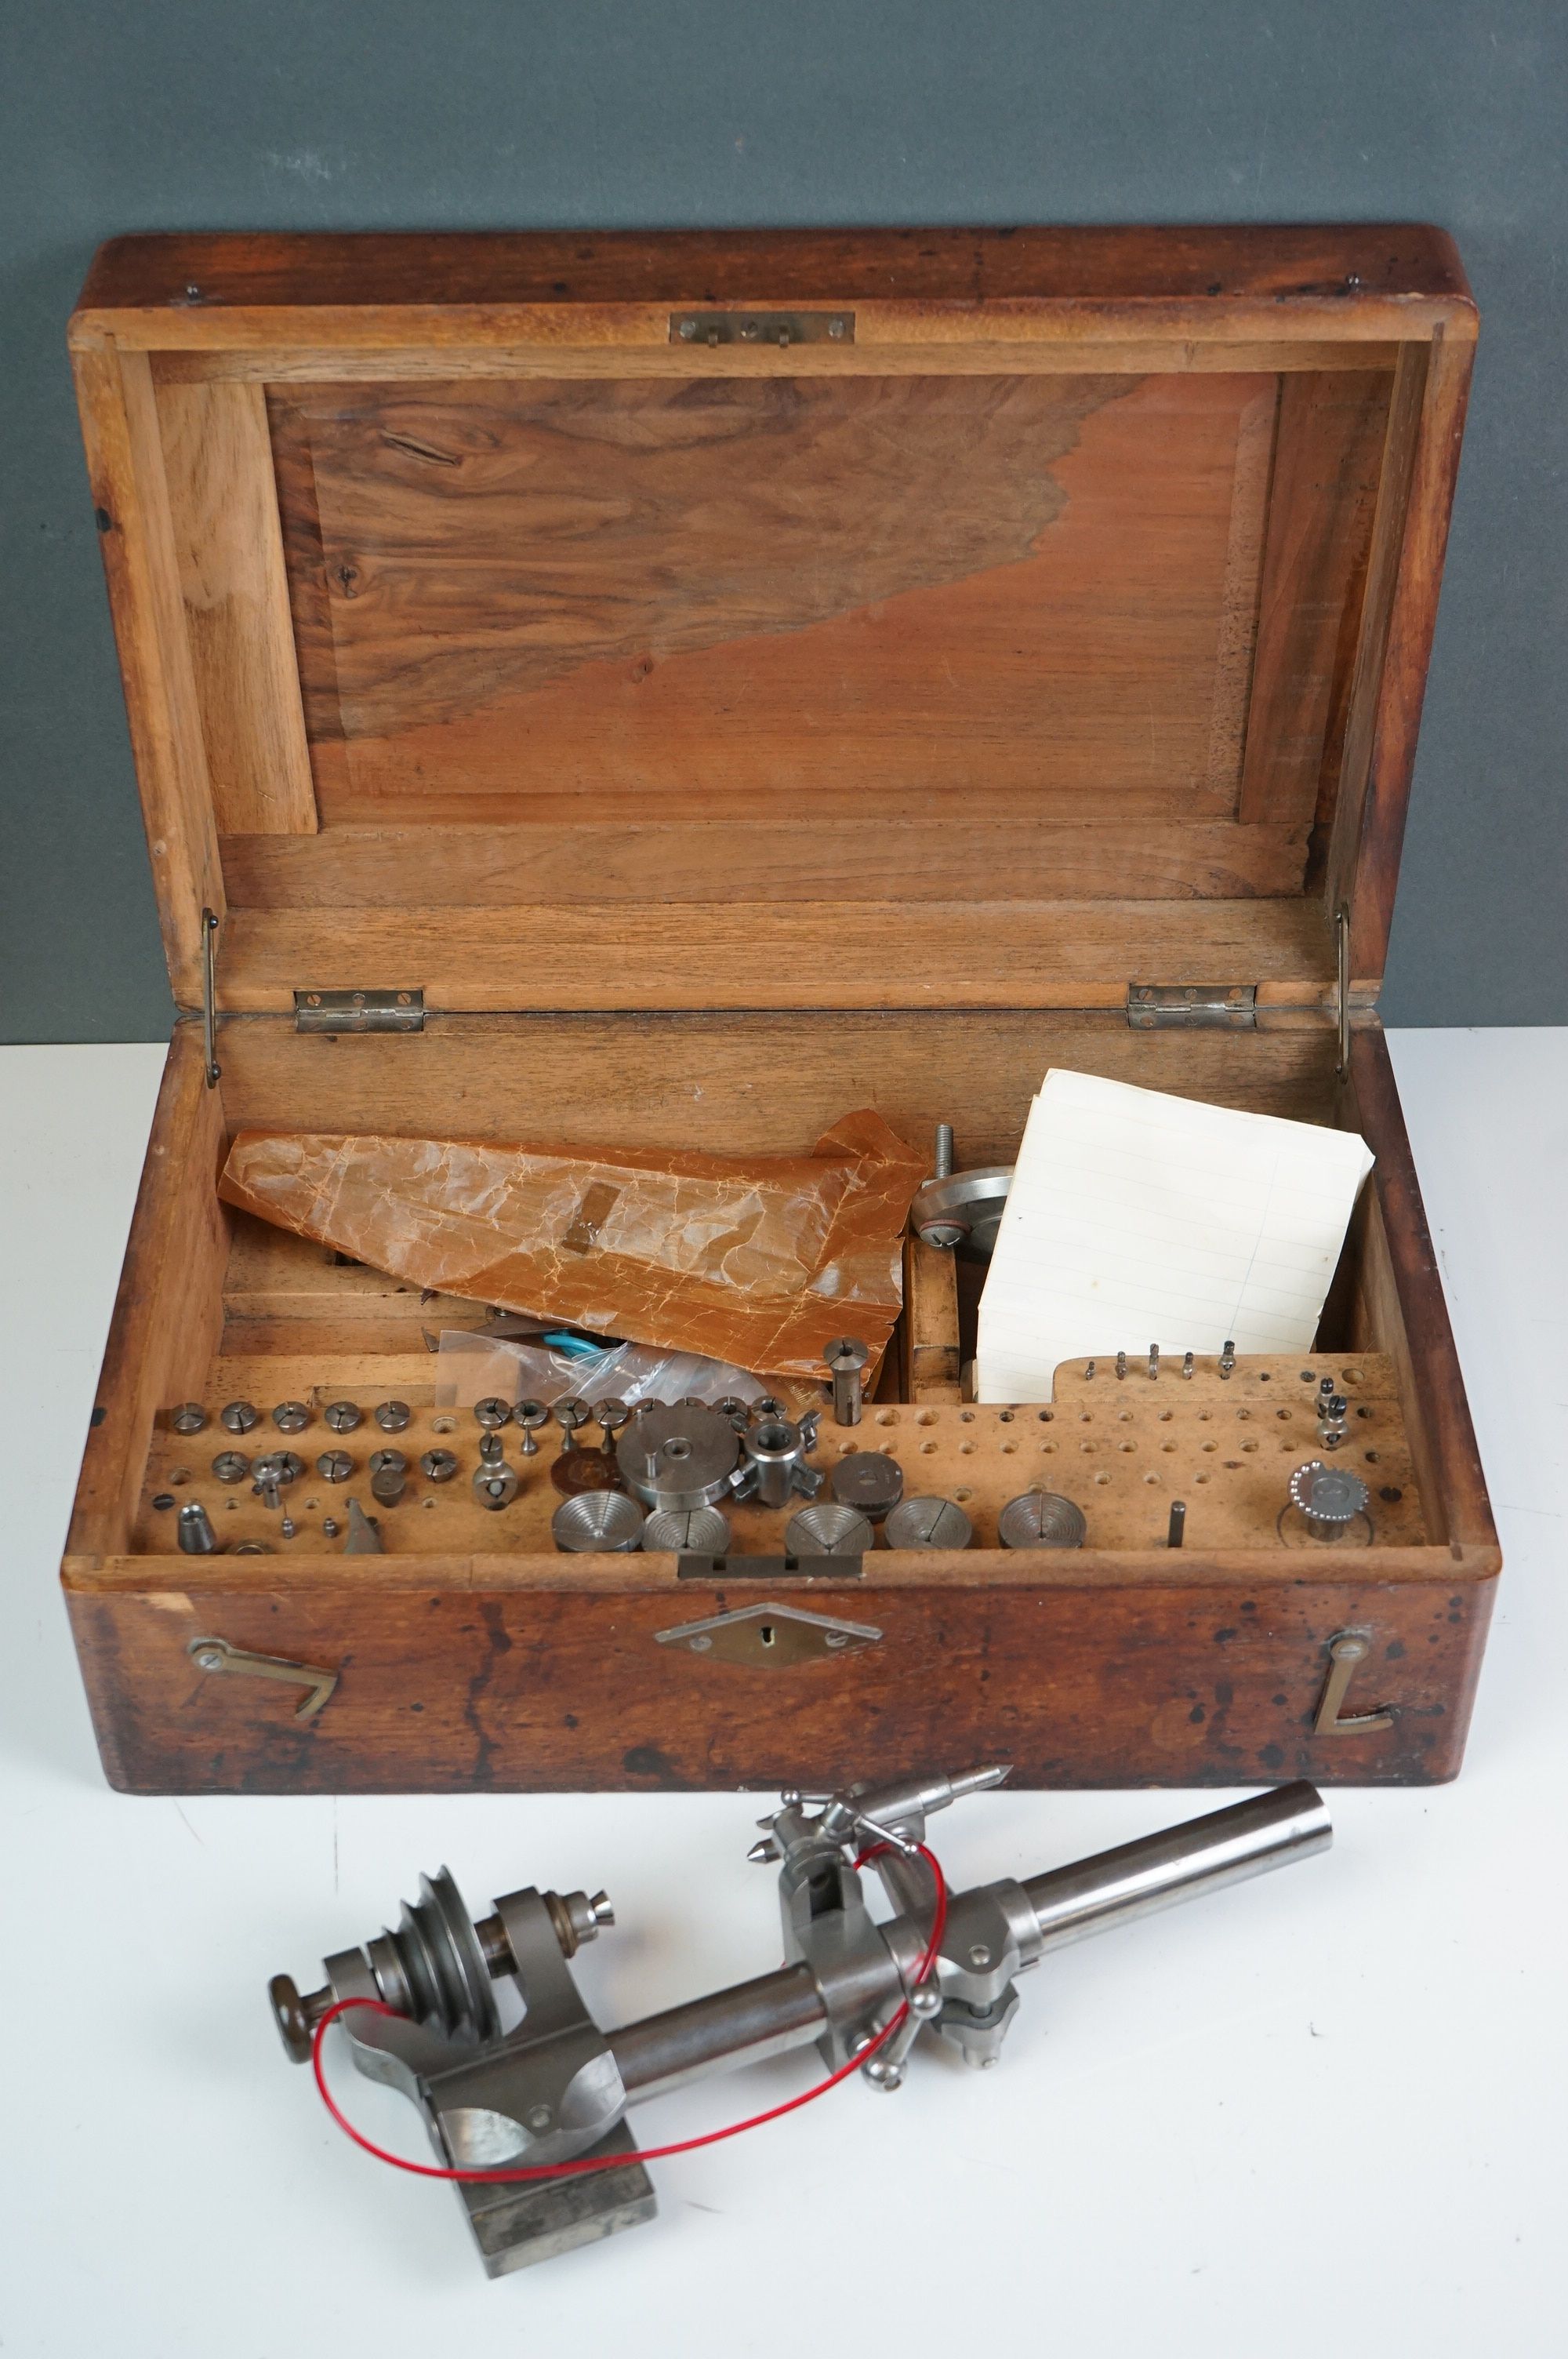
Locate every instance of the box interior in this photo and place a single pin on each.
(235, 1309)
(719, 737)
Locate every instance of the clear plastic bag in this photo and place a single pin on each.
(472, 1367)
(757, 1262)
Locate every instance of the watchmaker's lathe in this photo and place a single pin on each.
(556, 2090)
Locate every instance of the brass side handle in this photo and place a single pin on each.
(217, 1655)
(1346, 1653)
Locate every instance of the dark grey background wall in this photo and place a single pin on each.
(119, 115)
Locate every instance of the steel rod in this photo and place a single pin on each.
(739, 2026)
(1201, 1856)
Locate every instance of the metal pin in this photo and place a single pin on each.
(944, 1155)
(1154, 1363)
(1227, 1362)
(1177, 1531)
(1186, 1364)
(1121, 1367)
(1088, 1371)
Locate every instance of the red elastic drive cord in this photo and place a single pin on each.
(648, 2153)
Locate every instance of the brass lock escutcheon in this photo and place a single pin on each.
(768, 1637)
(217, 1655)
(1346, 1652)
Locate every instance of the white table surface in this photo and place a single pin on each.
(1322, 2112)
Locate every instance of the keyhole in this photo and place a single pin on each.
(766, 1633)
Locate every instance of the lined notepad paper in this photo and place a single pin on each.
(1135, 1218)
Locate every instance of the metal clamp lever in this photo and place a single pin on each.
(217, 1655)
(1350, 1648)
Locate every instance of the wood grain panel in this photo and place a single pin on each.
(741, 1084)
(918, 586)
(125, 465)
(742, 953)
(891, 342)
(492, 1688)
(806, 850)
(1385, 714)
(224, 512)
(1329, 451)
(1351, 279)
(168, 1311)
(1402, 1306)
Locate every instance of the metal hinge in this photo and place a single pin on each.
(1192, 1006)
(779, 328)
(359, 1011)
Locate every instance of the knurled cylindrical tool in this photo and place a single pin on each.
(1330, 1499)
(870, 1481)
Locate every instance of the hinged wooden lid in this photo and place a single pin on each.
(858, 619)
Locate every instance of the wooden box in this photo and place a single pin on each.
(732, 679)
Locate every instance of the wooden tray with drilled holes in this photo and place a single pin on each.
(1121, 1452)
